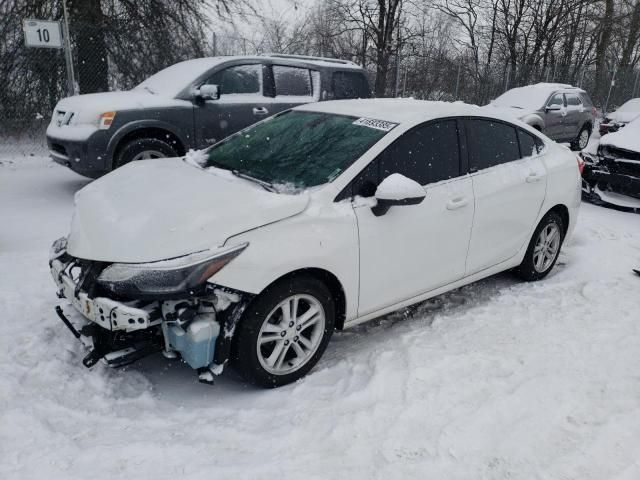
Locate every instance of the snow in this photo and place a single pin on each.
(627, 138)
(398, 110)
(530, 97)
(150, 211)
(399, 187)
(500, 379)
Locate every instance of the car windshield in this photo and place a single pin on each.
(172, 80)
(297, 149)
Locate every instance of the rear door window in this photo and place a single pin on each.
(491, 143)
(349, 85)
(573, 100)
(292, 81)
(240, 79)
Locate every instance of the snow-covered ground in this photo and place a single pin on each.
(499, 380)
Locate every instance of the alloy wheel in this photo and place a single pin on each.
(148, 155)
(584, 139)
(291, 334)
(546, 248)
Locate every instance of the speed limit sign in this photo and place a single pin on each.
(42, 33)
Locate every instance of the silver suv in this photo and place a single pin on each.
(562, 112)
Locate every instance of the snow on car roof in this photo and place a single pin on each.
(400, 110)
(175, 78)
(531, 97)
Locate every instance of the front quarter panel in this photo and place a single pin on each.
(324, 236)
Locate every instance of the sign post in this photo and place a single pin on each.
(49, 34)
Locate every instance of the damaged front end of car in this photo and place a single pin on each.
(125, 311)
(612, 176)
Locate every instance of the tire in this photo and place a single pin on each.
(263, 364)
(143, 149)
(531, 268)
(582, 140)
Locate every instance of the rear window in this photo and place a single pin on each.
(349, 85)
(586, 100)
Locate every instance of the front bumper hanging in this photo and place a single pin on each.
(198, 329)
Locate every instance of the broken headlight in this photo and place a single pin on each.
(58, 248)
(167, 277)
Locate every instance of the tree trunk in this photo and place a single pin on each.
(632, 38)
(601, 52)
(87, 31)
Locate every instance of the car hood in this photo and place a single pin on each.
(627, 138)
(155, 210)
(513, 112)
(623, 117)
(87, 108)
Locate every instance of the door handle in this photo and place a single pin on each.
(457, 203)
(260, 111)
(533, 178)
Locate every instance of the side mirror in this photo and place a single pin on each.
(553, 108)
(396, 190)
(208, 92)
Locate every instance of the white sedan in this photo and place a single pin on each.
(316, 219)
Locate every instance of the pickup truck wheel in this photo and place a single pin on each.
(284, 332)
(144, 149)
(582, 140)
(543, 249)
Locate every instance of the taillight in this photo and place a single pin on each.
(580, 164)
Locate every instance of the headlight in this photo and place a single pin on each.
(58, 248)
(167, 277)
(105, 120)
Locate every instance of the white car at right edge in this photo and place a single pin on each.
(317, 219)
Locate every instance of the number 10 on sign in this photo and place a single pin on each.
(41, 33)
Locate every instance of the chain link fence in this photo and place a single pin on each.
(35, 79)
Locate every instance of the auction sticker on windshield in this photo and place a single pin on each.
(377, 124)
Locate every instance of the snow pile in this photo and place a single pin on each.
(497, 380)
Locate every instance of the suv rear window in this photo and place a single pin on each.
(573, 99)
(294, 81)
(349, 85)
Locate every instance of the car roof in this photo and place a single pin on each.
(335, 63)
(402, 110)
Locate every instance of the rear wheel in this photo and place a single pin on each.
(543, 249)
(582, 140)
(284, 332)
(144, 149)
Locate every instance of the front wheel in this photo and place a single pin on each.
(144, 149)
(543, 249)
(284, 332)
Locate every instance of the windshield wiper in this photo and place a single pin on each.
(266, 185)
